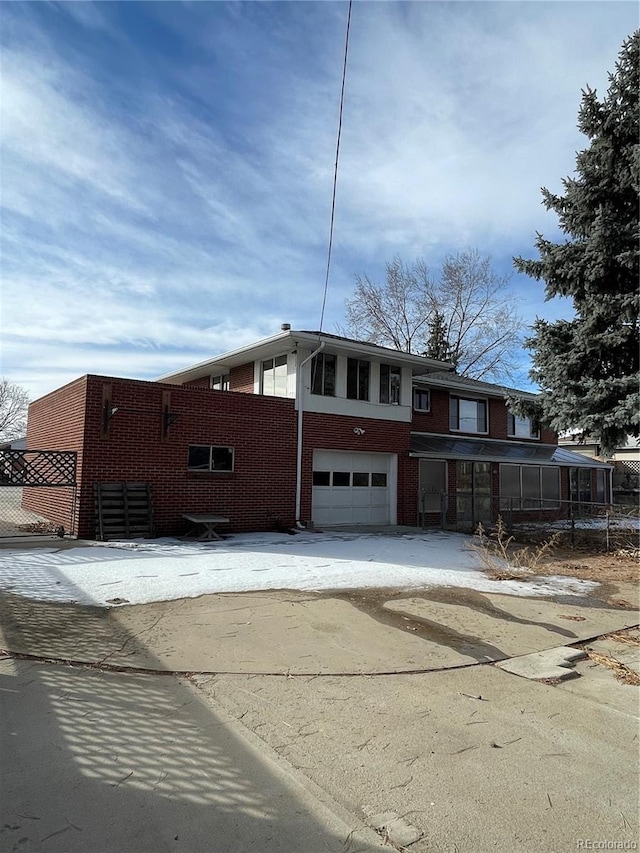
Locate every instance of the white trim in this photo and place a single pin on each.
(266, 347)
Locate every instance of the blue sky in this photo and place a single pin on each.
(166, 168)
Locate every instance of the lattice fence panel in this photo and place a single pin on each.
(38, 468)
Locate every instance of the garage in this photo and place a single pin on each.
(354, 488)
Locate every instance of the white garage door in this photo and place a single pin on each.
(353, 488)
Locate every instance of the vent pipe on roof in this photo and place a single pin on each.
(286, 327)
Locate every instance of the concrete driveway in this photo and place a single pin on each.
(312, 716)
(357, 632)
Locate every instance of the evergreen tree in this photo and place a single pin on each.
(587, 367)
(438, 341)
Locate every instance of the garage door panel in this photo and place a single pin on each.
(361, 497)
(361, 492)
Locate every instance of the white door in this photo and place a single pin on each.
(353, 488)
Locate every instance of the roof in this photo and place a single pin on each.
(289, 340)
(445, 379)
(431, 446)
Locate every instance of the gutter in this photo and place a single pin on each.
(299, 400)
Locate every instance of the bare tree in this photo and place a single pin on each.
(469, 299)
(14, 401)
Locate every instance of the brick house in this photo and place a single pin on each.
(307, 427)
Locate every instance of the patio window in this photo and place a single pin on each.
(529, 487)
(580, 485)
(207, 457)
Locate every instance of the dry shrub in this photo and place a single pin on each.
(502, 561)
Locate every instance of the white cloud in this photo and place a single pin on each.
(184, 201)
(47, 126)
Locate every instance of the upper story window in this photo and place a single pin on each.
(220, 383)
(522, 427)
(357, 379)
(323, 374)
(390, 380)
(467, 415)
(421, 400)
(273, 380)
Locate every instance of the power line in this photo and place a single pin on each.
(335, 171)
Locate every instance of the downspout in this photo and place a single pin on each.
(299, 392)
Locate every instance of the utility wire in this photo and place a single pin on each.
(335, 171)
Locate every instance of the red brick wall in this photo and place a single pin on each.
(57, 422)
(241, 378)
(260, 490)
(200, 382)
(437, 420)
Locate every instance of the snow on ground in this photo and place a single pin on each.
(166, 569)
(618, 523)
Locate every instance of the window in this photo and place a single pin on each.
(205, 457)
(421, 400)
(323, 375)
(274, 377)
(467, 415)
(522, 427)
(341, 478)
(361, 478)
(220, 383)
(379, 480)
(529, 487)
(390, 379)
(580, 485)
(357, 379)
(473, 492)
(321, 478)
